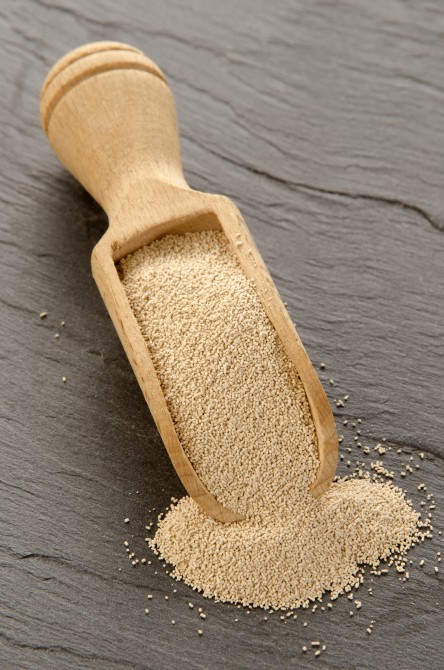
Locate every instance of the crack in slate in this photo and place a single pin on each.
(76, 567)
(54, 648)
(318, 189)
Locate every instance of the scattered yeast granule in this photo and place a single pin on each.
(287, 561)
(242, 416)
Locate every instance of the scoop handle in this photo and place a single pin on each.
(110, 117)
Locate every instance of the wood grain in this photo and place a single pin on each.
(323, 122)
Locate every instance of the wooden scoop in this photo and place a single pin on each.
(110, 118)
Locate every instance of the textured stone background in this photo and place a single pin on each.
(323, 121)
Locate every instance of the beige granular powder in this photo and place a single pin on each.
(237, 403)
(243, 418)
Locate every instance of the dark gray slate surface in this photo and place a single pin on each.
(323, 120)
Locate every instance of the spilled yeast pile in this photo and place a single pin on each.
(242, 416)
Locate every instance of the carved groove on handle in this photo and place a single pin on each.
(83, 52)
(106, 67)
